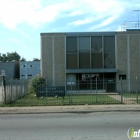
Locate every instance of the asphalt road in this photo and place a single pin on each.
(68, 126)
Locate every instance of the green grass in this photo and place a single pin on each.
(131, 95)
(31, 100)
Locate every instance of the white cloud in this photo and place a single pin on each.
(106, 22)
(97, 10)
(46, 14)
(13, 12)
(36, 13)
(80, 22)
(101, 6)
(76, 13)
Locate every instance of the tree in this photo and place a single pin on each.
(13, 56)
(35, 81)
(9, 57)
(23, 59)
(3, 57)
(36, 59)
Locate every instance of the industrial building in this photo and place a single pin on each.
(76, 57)
(10, 69)
(20, 69)
(29, 69)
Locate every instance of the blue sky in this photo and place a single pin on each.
(22, 21)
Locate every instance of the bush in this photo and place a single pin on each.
(34, 82)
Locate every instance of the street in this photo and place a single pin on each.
(68, 126)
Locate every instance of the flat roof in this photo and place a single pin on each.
(79, 33)
(102, 33)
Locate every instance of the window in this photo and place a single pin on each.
(72, 55)
(84, 44)
(96, 44)
(122, 77)
(29, 74)
(85, 52)
(71, 44)
(109, 52)
(96, 52)
(84, 60)
(72, 61)
(97, 60)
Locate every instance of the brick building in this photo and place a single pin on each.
(84, 56)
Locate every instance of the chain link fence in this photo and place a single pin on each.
(109, 91)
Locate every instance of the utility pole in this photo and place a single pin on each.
(138, 16)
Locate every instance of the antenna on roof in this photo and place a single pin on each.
(138, 16)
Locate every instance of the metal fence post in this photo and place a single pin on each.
(121, 90)
(136, 89)
(46, 92)
(71, 93)
(24, 88)
(21, 94)
(16, 90)
(28, 82)
(4, 87)
(11, 94)
(96, 90)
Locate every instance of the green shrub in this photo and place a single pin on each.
(34, 82)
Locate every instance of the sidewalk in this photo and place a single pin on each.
(70, 109)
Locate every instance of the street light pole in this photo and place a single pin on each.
(138, 16)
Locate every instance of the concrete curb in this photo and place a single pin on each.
(70, 109)
(78, 112)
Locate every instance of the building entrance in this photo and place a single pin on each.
(91, 81)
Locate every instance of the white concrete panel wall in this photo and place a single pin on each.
(29, 69)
